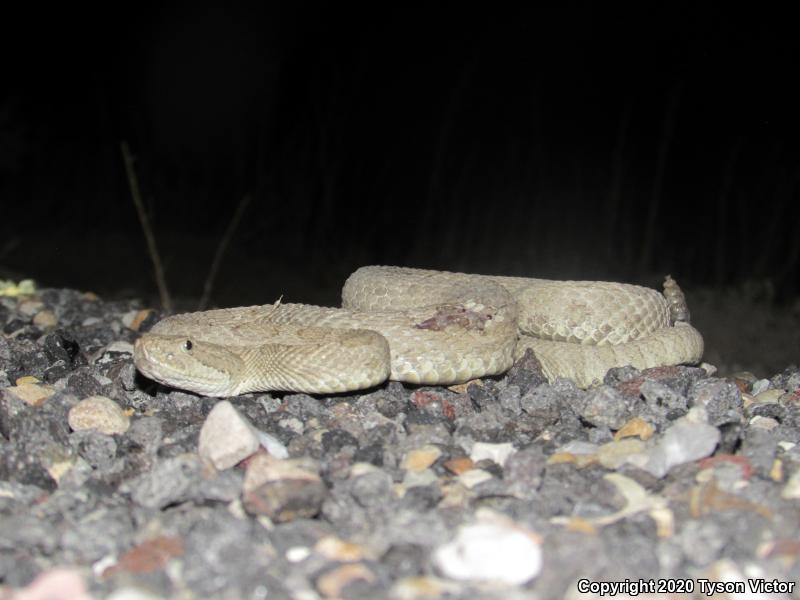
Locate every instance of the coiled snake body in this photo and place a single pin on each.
(421, 326)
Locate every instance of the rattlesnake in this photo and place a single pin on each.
(421, 326)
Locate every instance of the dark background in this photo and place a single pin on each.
(594, 141)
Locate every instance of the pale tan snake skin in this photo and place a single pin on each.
(421, 326)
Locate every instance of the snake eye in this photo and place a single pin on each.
(187, 345)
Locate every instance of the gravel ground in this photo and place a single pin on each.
(111, 486)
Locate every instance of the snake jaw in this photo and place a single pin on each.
(181, 362)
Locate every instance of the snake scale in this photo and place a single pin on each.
(421, 326)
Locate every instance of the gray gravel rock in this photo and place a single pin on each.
(230, 557)
(688, 439)
(526, 373)
(509, 399)
(180, 479)
(604, 406)
(662, 402)
(97, 449)
(656, 473)
(789, 379)
(543, 406)
(721, 399)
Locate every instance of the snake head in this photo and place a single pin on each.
(181, 362)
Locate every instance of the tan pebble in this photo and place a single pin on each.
(362, 468)
(26, 379)
(99, 413)
(422, 587)
(333, 583)
(764, 423)
(708, 368)
(263, 468)
(128, 318)
(562, 457)
(636, 427)
(138, 319)
(459, 465)
(30, 307)
(31, 393)
(473, 477)
(336, 549)
(580, 525)
(453, 496)
(772, 395)
(45, 319)
(90, 296)
(584, 460)
(615, 454)
(776, 472)
(461, 388)
(58, 469)
(420, 459)
(746, 376)
(665, 521)
(579, 460)
(282, 489)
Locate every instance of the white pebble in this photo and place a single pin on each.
(273, 445)
(760, 386)
(297, 554)
(119, 346)
(685, 441)
(497, 453)
(490, 552)
(131, 593)
(792, 489)
(226, 437)
(578, 448)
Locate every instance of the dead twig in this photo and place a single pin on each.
(150, 238)
(208, 286)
